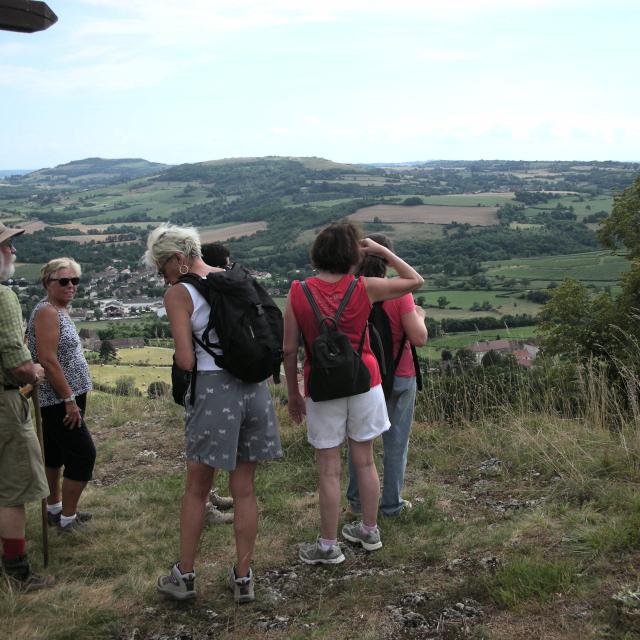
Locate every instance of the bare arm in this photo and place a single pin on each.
(414, 327)
(179, 306)
(408, 279)
(295, 402)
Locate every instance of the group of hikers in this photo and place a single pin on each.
(230, 421)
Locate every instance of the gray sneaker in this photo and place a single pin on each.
(22, 578)
(54, 518)
(242, 588)
(176, 585)
(221, 502)
(312, 553)
(213, 515)
(353, 532)
(76, 527)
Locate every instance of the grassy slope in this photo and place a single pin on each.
(534, 546)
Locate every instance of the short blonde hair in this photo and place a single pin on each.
(55, 265)
(168, 239)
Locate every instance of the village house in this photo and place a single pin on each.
(524, 352)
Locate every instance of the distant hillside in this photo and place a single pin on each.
(4, 173)
(91, 172)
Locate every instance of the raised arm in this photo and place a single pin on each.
(408, 279)
(179, 306)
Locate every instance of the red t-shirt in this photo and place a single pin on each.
(395, 309)
(353, 321)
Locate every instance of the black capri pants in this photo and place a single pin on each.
(72, 449)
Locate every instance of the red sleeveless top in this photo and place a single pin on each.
(353, 321)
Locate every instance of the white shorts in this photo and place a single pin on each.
(361, 418)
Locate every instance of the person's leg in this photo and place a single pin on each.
(368, 481)
(12, 523)
(197, 486)
(353, 494)
(54, 475)
(245, 523)
(330, 467)
(79, 460)
(396, 443)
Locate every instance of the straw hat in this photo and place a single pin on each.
(6, 233)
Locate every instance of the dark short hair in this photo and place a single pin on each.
(337, 248)
(375, 266)
(215, 254)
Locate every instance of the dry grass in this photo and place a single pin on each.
(233, 231)
(557, 518)
(428, 214)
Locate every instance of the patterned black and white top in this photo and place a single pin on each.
(74, 364)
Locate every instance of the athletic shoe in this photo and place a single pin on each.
(177, 586)
(213, 515)
(312, 553)
(221, 502)
(242, 588)
(22, 578)
(404, 507)
(75, 527)
(54, 518)
(353, 532)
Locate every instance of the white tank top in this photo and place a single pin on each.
(199, 321)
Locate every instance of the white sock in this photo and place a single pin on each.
(54, 508)
(65, 521)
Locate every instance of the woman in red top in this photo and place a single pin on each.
(336, 253)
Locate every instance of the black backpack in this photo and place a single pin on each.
(382, 347)
(247, 321)
(336, 368)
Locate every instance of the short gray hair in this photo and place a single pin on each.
(55, 265)
(168, 239)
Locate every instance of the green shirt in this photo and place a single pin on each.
(13, 351)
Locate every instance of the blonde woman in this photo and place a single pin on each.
(229, 424)
(69, 451)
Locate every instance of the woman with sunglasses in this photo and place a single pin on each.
(54, 342)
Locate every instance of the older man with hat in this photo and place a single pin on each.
(22, 477)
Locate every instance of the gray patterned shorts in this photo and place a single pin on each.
(230, 421)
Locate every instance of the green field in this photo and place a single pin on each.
(30, 272)
(502, 302)
(98, 325)
(593, 266)
(470, 199)
(146, 356)
(143, 376)
(456, 341)
(582, 205)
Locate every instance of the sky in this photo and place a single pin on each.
(358, 81)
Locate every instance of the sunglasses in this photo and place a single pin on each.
(8, 244)
(162, 265)
(65, 281)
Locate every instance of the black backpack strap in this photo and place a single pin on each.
(416, 365)
(345, 300)
(312, 302)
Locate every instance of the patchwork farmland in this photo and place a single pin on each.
(428, 214)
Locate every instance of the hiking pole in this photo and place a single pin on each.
(45, 528)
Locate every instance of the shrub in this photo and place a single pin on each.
(158, 389)
(126, 386)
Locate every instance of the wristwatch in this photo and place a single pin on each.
(71, 398)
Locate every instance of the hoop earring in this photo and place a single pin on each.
(183, 269)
